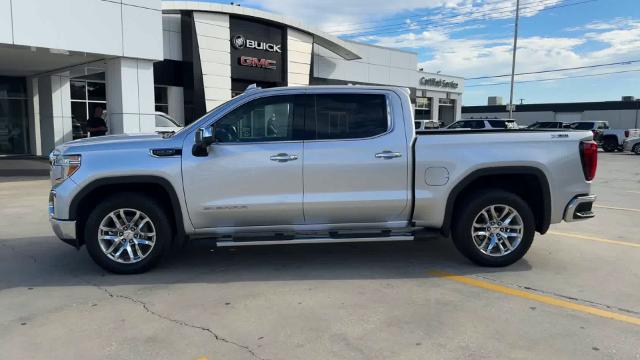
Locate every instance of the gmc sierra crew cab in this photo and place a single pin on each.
(317, 165)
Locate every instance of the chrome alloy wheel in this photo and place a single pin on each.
(126, 235)
(497, 230)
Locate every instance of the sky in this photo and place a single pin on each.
(474, 38)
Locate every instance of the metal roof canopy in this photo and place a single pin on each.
(329, 42)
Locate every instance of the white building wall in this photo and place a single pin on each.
(117, 28)
(33, 111)
(175, 96)
(299, 52)
(6, 30)
(54, 111)
(621, 119)
(172, 36)
(215, 56)
(378, 65)
(130, 97)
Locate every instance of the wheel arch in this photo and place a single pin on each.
(499, 177)
(157, 187)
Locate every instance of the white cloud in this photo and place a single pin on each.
(477, 57)
(354, 16)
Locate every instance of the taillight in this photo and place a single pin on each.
(626, 133)
(589, 158)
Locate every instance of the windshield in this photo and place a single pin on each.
(544, 125)
(581, 126)
(194, 124)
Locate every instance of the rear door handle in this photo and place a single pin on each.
(283, 157)
(388, 155)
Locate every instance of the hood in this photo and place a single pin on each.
(117, 142)
(114, 138)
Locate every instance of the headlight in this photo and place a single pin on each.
(63, 166)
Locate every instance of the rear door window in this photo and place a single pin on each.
(347, 116)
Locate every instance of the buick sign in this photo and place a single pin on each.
(240, 42)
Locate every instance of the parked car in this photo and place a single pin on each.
(427, 124)
(632, 144)
(474, 124)
(317, 165)
(548, 125)
(164, 123)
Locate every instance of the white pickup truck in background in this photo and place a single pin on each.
(609, 139)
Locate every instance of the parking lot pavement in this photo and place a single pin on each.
(575, 295)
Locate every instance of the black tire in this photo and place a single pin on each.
(471, 206)
(636, 149)
(147, 205)
(609, 144)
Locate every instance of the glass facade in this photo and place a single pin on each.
(14, 120)
(161, 94)
(86, 95)
(423, 108)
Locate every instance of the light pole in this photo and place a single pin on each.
(513, 61)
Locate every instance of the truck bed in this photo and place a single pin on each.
(445, 159)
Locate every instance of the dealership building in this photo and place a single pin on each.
(134, 58)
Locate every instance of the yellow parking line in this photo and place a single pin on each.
(593, 238)
(536, 297)
(616, 208)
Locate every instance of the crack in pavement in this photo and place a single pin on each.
(146, 307)
(33, 258)
(567, 297)
(179, 322)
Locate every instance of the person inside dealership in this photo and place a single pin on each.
(96, 124)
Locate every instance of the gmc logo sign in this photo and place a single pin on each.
(259, 63)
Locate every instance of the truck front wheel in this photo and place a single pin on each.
(493, 228)
(127, 233)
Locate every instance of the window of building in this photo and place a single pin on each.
(349, 116)
(14, 131)
(86, 97)
(162, 99)
(269, 119)
(423, 108)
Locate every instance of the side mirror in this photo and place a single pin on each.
(203, 138)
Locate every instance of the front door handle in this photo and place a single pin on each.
(283, 157)
(388, 155)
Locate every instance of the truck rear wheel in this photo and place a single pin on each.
(127, 233)
(610, 144)
(493, 228)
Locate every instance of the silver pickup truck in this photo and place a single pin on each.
(317, 165)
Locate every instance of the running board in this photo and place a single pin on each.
(316, 241)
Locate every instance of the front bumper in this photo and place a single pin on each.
(580, 208)
(627, 146)
(65, 230)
